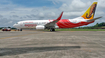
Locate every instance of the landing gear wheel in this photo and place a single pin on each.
(20, 29)
(52, 29)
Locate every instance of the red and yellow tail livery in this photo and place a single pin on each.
(89, 14)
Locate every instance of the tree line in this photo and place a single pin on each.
(97, 26)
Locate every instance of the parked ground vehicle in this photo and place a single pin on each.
(6, 29)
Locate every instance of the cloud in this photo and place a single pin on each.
(10, 22)
(12, 13)
(101, 3)
(1, 16)
(15, 16)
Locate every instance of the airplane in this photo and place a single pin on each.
(85, 19)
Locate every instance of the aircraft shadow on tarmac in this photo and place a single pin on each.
(16, 51)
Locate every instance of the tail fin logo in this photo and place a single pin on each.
(89, 14)
(92, 11)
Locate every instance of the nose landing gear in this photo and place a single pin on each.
(19, 29)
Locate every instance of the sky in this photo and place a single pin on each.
(12, 11)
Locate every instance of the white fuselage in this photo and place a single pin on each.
(36, 23)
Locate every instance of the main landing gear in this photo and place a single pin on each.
(52, 29)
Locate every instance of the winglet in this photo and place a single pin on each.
(60, 16)
(52, 24)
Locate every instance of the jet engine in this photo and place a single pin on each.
(40, 27)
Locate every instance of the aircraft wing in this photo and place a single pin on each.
(52, 24)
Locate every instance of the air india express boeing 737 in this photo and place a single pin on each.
(85, 19)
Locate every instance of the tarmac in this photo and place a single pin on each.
(59, 44)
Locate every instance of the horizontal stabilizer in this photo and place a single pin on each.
(94, 19)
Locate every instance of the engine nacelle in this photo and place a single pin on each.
(40, 27)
